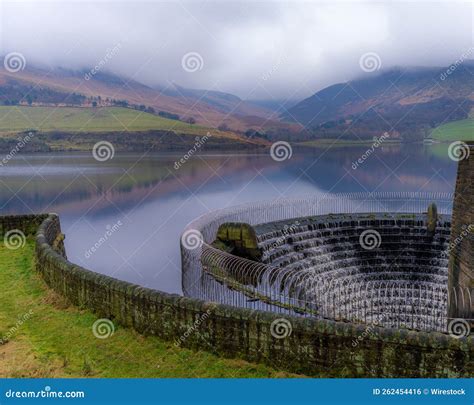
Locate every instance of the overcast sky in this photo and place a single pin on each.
(273, 49)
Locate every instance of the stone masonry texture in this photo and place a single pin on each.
(314, 347)
(461, 263)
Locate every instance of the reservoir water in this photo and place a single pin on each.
(123, 217)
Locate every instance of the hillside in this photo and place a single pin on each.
(129, 130)
(408, 103)
(66, 87)
(225, 102)
(100, 119)
(453, 131)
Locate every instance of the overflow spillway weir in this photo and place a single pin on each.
(353, 271)
(359, 258)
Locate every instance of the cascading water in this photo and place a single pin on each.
(372, 266)
(324, 267)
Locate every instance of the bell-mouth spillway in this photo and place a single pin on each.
(366, 258)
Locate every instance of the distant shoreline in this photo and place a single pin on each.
(163, 141)
(342, 143)
(137, 141)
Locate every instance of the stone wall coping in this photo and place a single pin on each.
(314, 346)
(322, 326)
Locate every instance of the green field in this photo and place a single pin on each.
(462, 130)
(55, 339)
(104, 119)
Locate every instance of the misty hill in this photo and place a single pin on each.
(406, 102)
(80, 128)
(38, 86)
(225, 102)
(83, 120)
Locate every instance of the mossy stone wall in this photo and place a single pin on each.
(307, 346)
(461, 263)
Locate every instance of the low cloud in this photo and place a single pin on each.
(261, 50)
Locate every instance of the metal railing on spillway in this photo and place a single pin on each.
(214, 275)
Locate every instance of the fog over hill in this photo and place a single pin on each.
(268, 50)
(406, 102)
(64, 87)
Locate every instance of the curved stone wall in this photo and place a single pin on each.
(309, 346)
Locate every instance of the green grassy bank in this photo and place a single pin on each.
(75, 119)
(79, 129)
(462, 130)
(43, 336)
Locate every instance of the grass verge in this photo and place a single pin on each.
(44, 337)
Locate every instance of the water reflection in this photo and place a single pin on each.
(154, 202)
